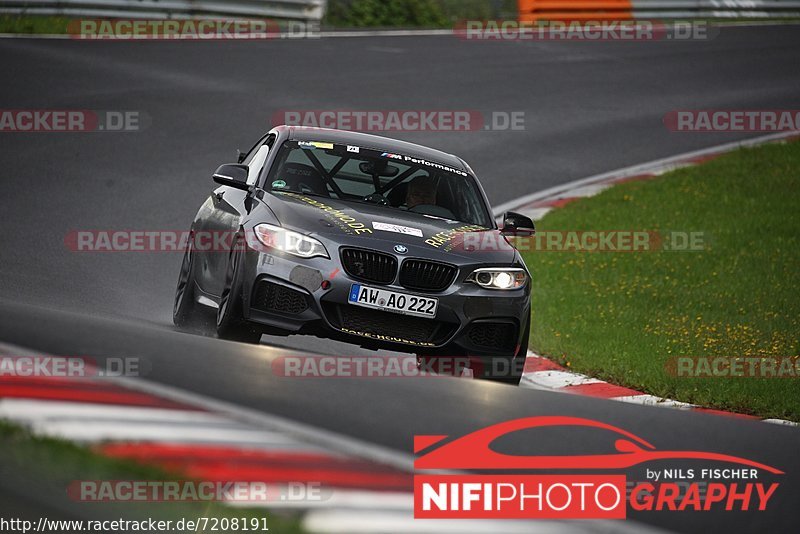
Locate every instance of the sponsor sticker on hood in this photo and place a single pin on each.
(396, 228)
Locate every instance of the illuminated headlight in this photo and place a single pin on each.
(290, 242)
(499, 278)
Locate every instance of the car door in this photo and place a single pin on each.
(222, 214)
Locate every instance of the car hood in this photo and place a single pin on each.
(381, 228)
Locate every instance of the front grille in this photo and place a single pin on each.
(502, 336)
(369, 266)
(272, 297)
(426, 275)
(387, 326)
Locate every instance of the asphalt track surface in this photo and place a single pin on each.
(590, 107)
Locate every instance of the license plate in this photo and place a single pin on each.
(392, 301)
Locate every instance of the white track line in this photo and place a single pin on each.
(556, 379)
(781, 422)
(652, 400)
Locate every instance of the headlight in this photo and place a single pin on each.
(499, 278)
(290, 242)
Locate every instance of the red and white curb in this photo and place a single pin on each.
(365, 488)
(207, 440)
(542, 373)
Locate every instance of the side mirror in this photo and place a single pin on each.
(240, 156)
(232, 175)
(516, 224)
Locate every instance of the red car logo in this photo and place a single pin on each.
(473, 450)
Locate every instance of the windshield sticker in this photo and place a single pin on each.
(353, 149)
(398, 229)
(278, 184)
(426, 163)
(315, 144)
(434, 165)
(346, 223)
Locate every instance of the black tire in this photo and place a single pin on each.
(231, 324)
(184, 310)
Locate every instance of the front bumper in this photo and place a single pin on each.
(285, 295)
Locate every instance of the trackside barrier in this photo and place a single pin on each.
(597, 10)
(307, 10)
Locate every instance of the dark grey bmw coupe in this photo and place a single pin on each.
(360, 238)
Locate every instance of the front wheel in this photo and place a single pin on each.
(231, 324)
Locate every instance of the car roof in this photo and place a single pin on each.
(302, 133)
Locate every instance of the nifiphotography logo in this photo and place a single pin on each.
(506, 486)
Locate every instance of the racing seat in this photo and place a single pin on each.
(303, 178)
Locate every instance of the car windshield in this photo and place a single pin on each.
(395, 181)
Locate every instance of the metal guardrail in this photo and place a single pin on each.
(307, 10)
(532, 10)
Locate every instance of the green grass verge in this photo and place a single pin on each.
(33, 24)
(50, 465)
(622, 316)
(340, 14)
(414, 13)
